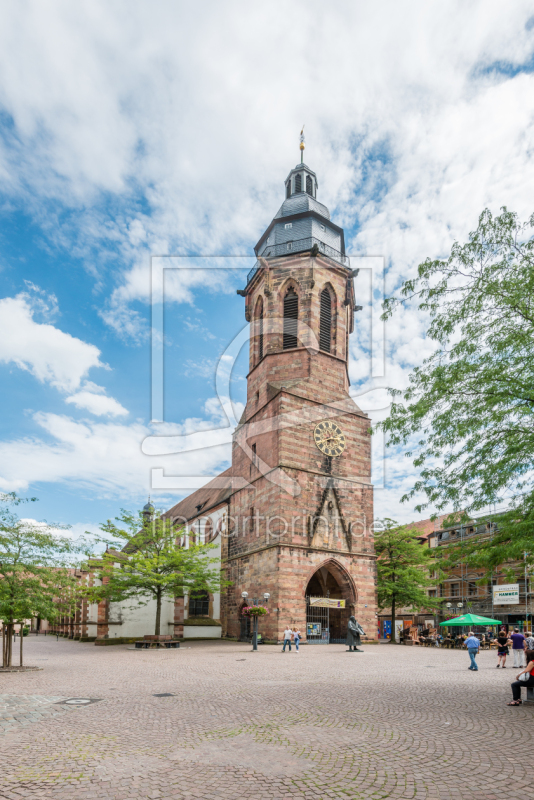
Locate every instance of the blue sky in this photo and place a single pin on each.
(129, 131)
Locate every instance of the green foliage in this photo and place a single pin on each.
(470, 407)
(145, 560)
(403, 569)
(33, 564)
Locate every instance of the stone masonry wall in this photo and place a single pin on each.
(300, 510)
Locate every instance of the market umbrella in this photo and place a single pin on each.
(472, 619)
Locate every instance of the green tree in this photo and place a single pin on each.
(403, 569)
(33, 561)
(145, 560)
(467, 416)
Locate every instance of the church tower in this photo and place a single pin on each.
(300, 526)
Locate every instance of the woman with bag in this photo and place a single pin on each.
(503, 642)
(524, 678)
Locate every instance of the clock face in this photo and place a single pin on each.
(329, 438)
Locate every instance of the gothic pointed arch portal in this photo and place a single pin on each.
(331, 582)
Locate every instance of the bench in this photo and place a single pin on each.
(144, 644)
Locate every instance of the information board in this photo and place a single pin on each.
(506, 594)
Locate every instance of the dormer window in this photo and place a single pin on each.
(309, 185)
(298, 183)
(288, 225)
(290, 245)
(323, 228)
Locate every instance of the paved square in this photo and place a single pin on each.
(396, 722)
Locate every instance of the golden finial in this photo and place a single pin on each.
(302, 145)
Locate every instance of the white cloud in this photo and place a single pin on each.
(78, 530)
(410, 128)
(106, 457)
(407, 132)
(51, 355)
(97, 404)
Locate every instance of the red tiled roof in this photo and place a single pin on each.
(209, 496)
(427, 526)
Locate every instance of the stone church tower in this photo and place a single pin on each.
(300, 517)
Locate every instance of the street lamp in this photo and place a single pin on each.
(266, 597)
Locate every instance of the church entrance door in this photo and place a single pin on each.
(327, 625)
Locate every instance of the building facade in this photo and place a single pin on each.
(468, 590)
(292, 517)
(298, 496)
(464, 589)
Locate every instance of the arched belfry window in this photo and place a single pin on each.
(288, 189)
(259, 317)
(298, 183)
(291, 319)
(309, 185)
(325, 325)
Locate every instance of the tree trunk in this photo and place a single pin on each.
(21, 640)
(393, 639)
(8, 644)
(158, 613)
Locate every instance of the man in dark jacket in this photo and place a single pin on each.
(354, 631)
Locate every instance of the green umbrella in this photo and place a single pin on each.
(471, 619)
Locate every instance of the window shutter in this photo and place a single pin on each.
(298, 183)
(309, 185)
(291, 316)
(288, 189)
(325, 326)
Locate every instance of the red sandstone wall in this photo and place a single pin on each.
(287, 394)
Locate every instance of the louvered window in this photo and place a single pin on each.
(309, 185)
(298, 183)
(291, 316)
(260, 332)
(288, 189)
(325, 326)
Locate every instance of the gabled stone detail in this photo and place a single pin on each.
(328, 526)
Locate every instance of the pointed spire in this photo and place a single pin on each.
(302, 145)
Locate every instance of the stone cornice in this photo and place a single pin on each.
(329, 551)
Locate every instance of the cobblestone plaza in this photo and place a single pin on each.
(228, 723)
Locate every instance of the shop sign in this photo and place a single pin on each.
(506, 594)
(326, 602)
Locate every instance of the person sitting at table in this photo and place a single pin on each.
(518, 684)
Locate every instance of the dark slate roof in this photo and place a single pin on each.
(301, 202)
(207, 497)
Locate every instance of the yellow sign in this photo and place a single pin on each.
(326, 602)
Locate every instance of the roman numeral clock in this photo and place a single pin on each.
(329, 438)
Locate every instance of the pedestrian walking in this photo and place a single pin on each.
(523, 678)
(473, 646)
(517, 648)
(288, 633)
(503, 643)
(296, 638)
(529, 641)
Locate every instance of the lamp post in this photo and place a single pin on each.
(266, 597)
